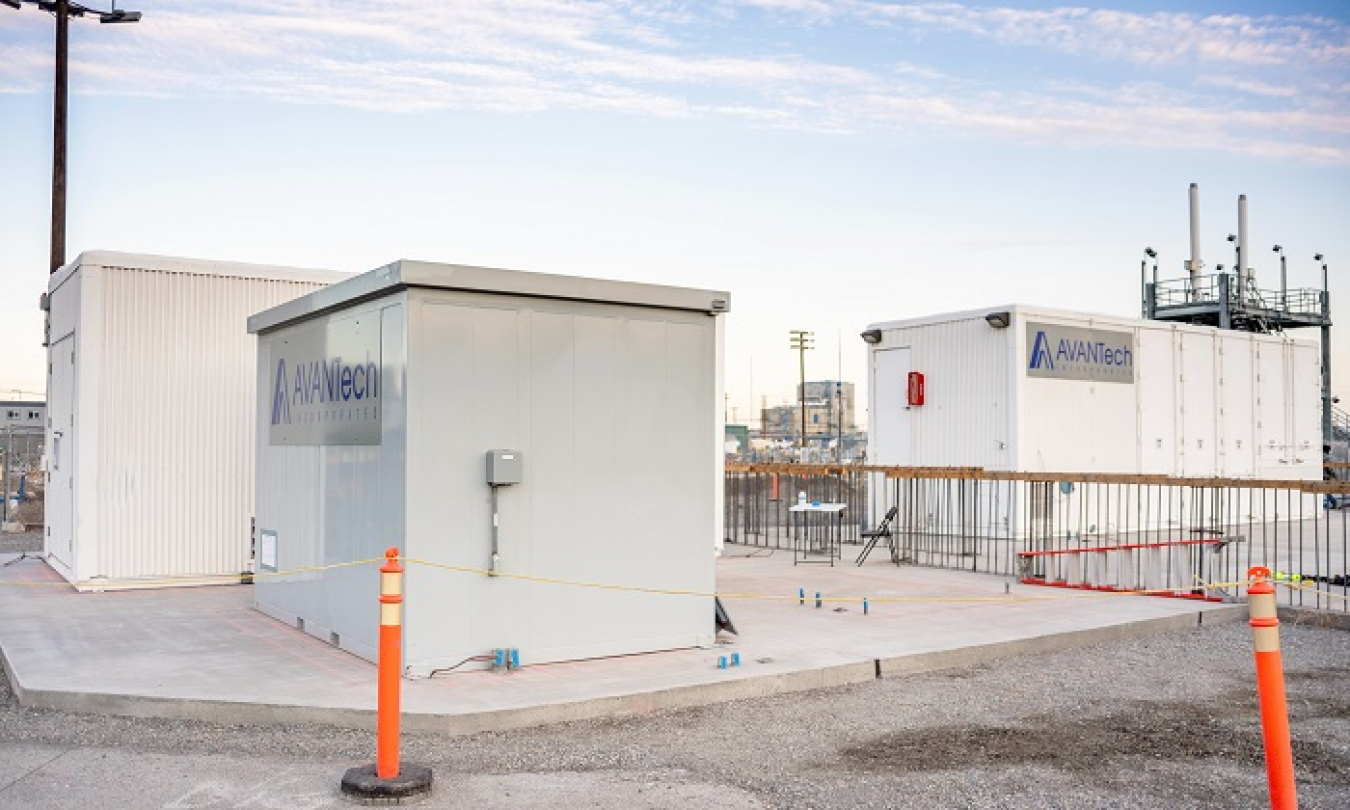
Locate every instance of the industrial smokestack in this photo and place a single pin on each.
(1244, 258)
(1194, 264)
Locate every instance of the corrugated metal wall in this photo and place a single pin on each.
(173, 481)
(964, 420)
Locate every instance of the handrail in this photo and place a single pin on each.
(1206, 289)
(979, 473)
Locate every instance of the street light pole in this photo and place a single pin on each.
(63, 10)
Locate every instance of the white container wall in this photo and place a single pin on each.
(965, 421)
(1142, 397)
(605, 393)
(150, 437)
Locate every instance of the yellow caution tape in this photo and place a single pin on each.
(198, 579)
(220, 579)
(1310, 586)
(788, 598)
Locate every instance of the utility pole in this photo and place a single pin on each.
(63, 10)
(9, 470)
(59, 108)
(839, 425)
(801, 341)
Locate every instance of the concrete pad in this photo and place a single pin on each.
(205, 653)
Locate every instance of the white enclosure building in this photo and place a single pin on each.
(150, 415)
(1028, 389)
(551, 430)
(1070, 395)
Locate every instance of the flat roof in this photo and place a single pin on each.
(1034, 311)
(198, 267)
(408, 273)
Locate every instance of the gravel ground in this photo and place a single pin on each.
(1170, 721)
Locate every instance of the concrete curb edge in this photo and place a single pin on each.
(630, 705)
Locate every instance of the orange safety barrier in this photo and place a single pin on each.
(391, 660)
(1088, 573)
(1121, 547)
(388, 781)
(1265, 624)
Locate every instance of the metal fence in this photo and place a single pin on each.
(1182, 537)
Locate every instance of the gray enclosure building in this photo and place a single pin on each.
(551, 430)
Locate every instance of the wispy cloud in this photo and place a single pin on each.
(1106, 34)
(1259, 85)
(1251, 86)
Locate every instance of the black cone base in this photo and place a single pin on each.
(361, 784)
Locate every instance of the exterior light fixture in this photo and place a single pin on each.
(1237, 253)
(1149, 253)
(872, 336)
(119, 16)
(999, 320)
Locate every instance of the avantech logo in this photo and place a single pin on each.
(326, 384)
(318, 382)
(1056, 351)
(1040, 352)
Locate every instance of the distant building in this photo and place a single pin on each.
(829, 412)
(22, 435)
(737, 440)
(18, 414)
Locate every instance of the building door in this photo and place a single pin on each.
(60, 506)
(890, 416)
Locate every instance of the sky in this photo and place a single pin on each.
(830, 163)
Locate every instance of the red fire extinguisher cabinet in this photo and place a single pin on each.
(914, 389)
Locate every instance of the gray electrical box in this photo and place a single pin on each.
(503, 467)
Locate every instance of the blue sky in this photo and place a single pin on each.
(830, 163)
